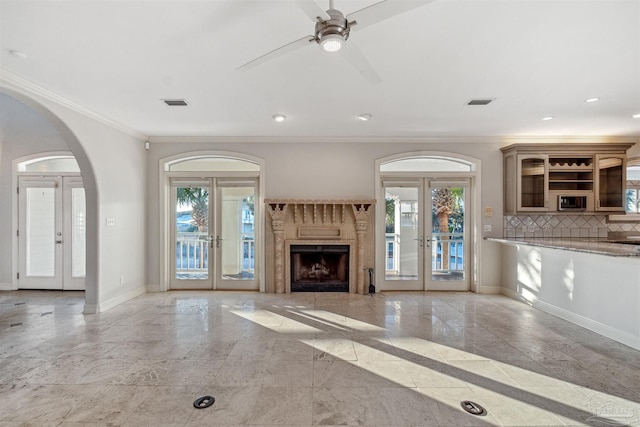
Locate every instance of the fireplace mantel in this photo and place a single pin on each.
(300, 221)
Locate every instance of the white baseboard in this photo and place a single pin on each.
(117, 300)
(154, 288)
(592, 325)
(489, 289)
(6, 287)
(90, 308)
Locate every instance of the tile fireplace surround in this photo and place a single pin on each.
(318, 222)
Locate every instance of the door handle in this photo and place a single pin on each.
(218, 240)
(421, 241)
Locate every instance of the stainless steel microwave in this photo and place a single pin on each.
(572, 203)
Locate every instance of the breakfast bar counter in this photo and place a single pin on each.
(593, 246)
(592, 283)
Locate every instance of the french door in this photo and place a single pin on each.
(213, 234)
(51, 233)
(426, 235)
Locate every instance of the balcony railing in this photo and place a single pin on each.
(192, 252)
(439, 242)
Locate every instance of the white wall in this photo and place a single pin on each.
(328, 170)
(112, 163)
(22, 132)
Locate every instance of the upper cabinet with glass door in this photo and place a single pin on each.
(561, 178)
(611, 182)
(533, 182)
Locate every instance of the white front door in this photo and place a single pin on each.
(426, 235)
(213, 234)
(51, 233)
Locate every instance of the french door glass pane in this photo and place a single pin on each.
(41, 232)
(237, 233)
(78, 233)
(401, 233)
(447, 234)
(192, 233)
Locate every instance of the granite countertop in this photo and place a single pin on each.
(594, 246)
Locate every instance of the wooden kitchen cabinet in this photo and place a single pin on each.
(538, 176)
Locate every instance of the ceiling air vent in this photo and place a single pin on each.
(480, 101)
(175, 102)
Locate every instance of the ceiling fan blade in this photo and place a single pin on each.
(380, 11)
(282, 50)
(313, 10)
(356, 58)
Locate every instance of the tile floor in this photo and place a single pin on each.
(395, 359)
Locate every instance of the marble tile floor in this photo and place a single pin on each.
(306, 359)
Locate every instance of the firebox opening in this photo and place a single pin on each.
(319, 268)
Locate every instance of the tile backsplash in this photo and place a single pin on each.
(564, 226)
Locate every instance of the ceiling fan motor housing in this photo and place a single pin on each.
(337, 25)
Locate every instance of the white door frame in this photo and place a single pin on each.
(40, 281)
(63, 278)
(215, 241)
(474, 176)
(71, 282)
(437, 285)
(164, 180)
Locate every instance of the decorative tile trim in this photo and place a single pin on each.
(556, 226)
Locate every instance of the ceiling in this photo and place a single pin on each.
(538, 58)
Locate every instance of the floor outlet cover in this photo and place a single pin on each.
(473, 408)
(204, 402)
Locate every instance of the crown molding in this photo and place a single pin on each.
(571, 139)
(13, 81)
(502, 140)
(318, 139)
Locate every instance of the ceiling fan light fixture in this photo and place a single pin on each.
(332, 43)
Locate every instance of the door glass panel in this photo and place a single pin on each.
(41, 232)
(447, 233)
(532, 182)
(78, 233)
(401, 233)
(610, 182)
(192, 233)
(236, 233)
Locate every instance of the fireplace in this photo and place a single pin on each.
(318, 245)
(319, 268)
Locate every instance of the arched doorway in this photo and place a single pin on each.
(212, 234)
(427, 208)
(89, 183)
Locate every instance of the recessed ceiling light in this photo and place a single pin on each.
(279, 117)
(636, 116)
(365, 117)
(547, 118)
(18, 54)
(594, 99)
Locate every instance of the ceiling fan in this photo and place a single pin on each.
(332, 30)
